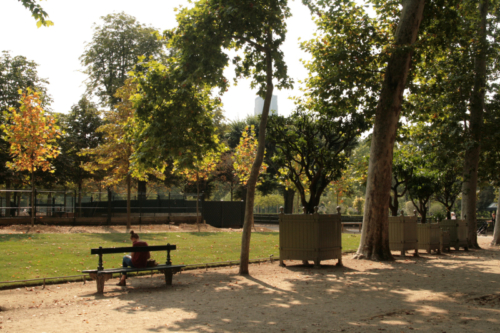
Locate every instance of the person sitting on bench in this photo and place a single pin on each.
(135, 259)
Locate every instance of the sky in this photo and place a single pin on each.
(57, 49)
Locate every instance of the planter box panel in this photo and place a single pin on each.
(403, 233)
(310, 237)
(458, 233)
(429, 237)
(462, 234)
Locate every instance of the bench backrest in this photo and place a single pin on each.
(152, 248)
(100, 251)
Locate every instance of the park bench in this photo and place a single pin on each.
(101, 275)
(358, 224)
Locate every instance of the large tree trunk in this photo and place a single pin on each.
(288, 196)
(375, 233)
(496, 232)
(254, 173)
(129, 185)
(471, 163)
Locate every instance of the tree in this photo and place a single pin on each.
(196, 169)
(113, 155)
(490, 157)
(362, 64)
(421, 188)
(358, 204)
(313, 150)
(19, 73)
(114, 50)
(244, 156)
(401, 173)
(32, 136)
(453, 79)
(81, 132)
(477, 102)
(200, 42)
(375, 237)
(267, 181)
(37, 12)
(16, 73)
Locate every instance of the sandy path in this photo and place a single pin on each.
(456, 292)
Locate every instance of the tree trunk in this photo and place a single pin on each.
(141, 190)
(231, 191)
(7, 199)
(110, 210)
(254, 173)
(394, 203)
(129, 185)
(288, 196)
(48, 211)
(375, 233)
(197, 201)
(313, 202)
(496, 232)
(80, 198)
(471, 163)
(32, 197)
(64, 202)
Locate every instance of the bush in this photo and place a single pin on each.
(358, 204)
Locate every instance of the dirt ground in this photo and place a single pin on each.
(453, 292)
(145, 228)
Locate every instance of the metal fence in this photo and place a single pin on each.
(64, 204)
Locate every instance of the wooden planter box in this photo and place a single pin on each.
(445, 240)
(458, 233)
(310, 237)
(429, 237)
(403, 234)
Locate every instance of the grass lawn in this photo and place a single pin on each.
(30, 256)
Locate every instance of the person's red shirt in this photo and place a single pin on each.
(140, 259)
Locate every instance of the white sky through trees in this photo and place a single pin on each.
(57, 49)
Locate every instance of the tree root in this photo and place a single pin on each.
(373, 257)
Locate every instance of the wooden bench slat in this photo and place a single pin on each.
(134, 249)
(129, 270)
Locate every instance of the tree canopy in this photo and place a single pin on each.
(312, 150)
(114, 51)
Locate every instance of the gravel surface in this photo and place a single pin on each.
(453, 292)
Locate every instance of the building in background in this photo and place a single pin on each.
(259, 105)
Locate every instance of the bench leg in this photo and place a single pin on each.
(100, 284)
(317, 263)
(100, 279)
(168, 277)
(282, 264)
